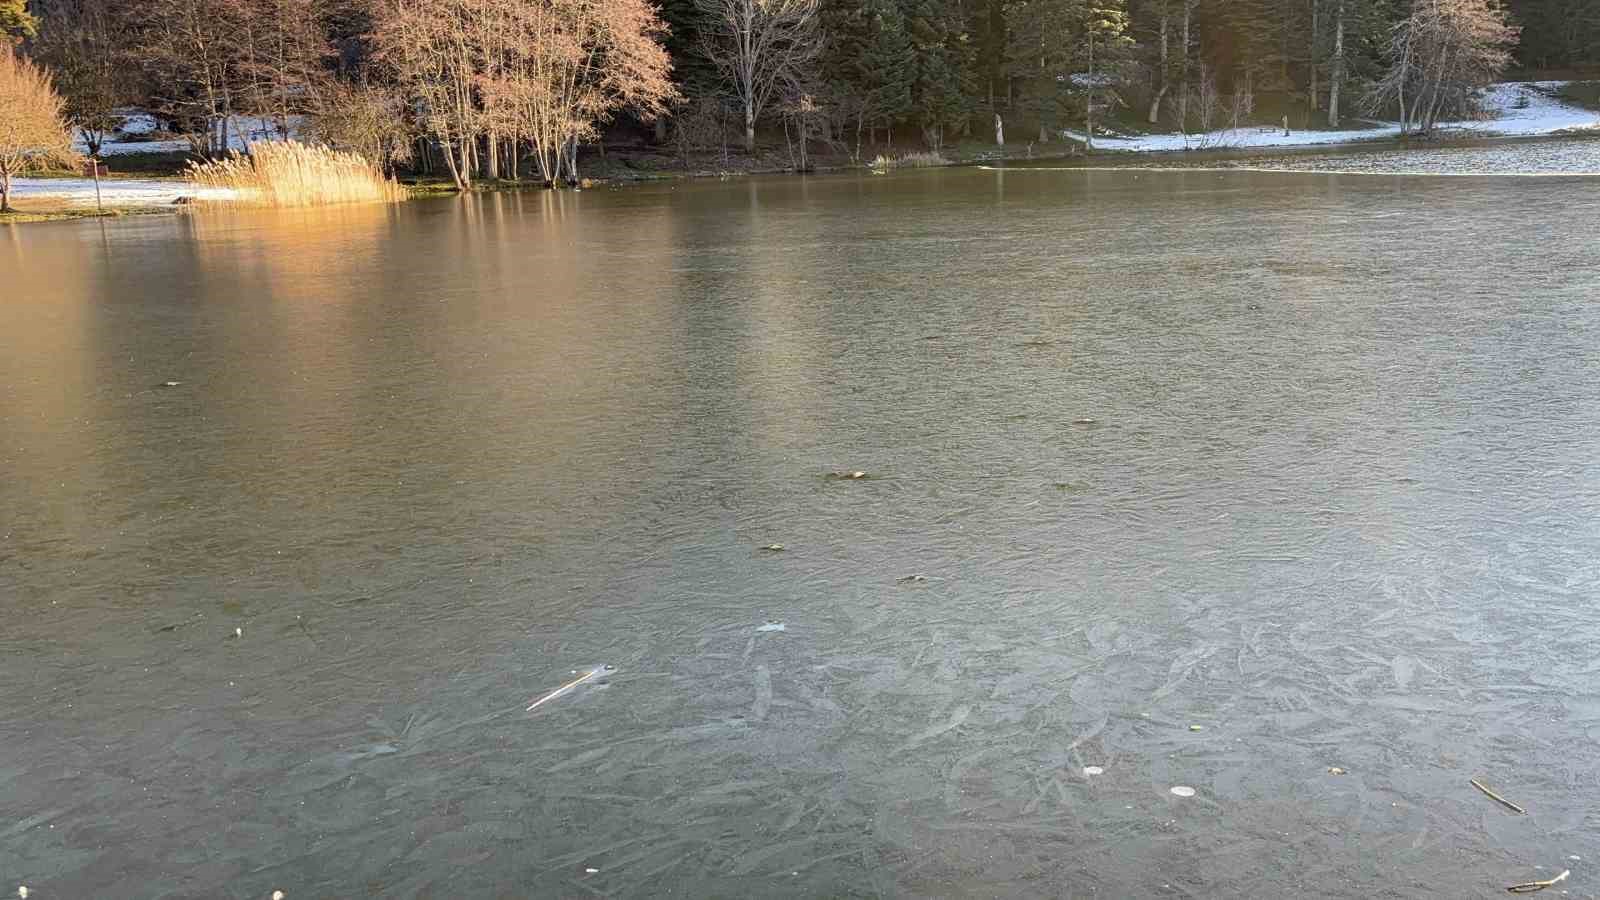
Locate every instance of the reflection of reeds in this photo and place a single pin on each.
(288, 173)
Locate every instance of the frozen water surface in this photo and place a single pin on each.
(1547, 157)
(1309, 461)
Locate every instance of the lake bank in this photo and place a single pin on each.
(1523, 118)
(49, 199)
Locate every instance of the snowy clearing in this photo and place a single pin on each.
(137, 123)
(114, 192)
(1516, 108)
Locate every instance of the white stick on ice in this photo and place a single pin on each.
(566, 687)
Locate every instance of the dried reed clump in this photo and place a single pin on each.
(910, 161)
(289, 173)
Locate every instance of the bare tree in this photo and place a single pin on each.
(545, 71)
(803, 110)
(1186, 39)
(366, 119)
(80, 42)
(570, 65)
(698, 126)
(762, 47)
(190, 49)
(426, 48)
(1438, 58)
(1162, 10)
(33, 127)
(1337, 66)
(1207, 100)
(283, 48)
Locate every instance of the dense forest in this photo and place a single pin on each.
(489, 85)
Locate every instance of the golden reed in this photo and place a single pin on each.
(289, 173)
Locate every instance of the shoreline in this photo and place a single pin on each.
(71, 213)
(44, 205)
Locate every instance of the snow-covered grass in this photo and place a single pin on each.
(130, 136)
(113, 192)
(1514, 109)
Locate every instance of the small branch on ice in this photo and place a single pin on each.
(1497, 798)
(1531, 886)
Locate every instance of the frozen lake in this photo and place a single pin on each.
(1218, 480)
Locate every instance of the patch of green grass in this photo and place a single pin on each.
(422, 185)
(1585, 94)
(62, 214)
(147, 165)
(436, 186)
(144, 166)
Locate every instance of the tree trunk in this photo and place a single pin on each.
(1088, 105)
(455, 175)
(1316, 24)
(464, 164)
(1155, 105)
(5, 191)
(1336, 77)
(1166, 72)
(749, 129)
(1183, 94)
(999, 131)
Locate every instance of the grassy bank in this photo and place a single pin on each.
(1585, 94)
(44, 213)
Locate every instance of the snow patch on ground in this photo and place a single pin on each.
(135, 122)
(1514, 108)
(138, 123)
(113, 192)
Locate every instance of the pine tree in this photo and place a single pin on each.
(939, 88)
(694, 74)
(987, 25)
(1108, 43)
(16, 21)
(1043, 55)
(868, 62)
(1062, 54)
(1245, 38)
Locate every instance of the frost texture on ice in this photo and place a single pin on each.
(1353, 524)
